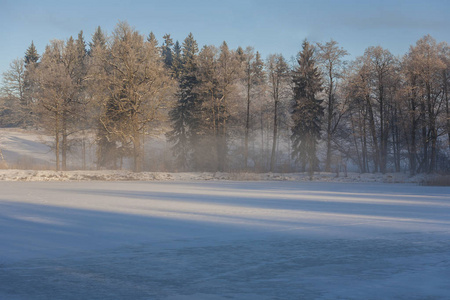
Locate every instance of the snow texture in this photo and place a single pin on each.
(220, 240)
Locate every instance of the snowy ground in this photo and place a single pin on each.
(110, 175)
(223, 240)
(23, 148)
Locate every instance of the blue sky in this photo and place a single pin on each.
(269, 26)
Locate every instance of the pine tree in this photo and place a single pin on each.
(184, 115)
(240, 54)
(98, 40)
(307, 110)
(166, 51)
(81, 64)
(31, 62)
(152, 40)
(177, 61)
(31, 55)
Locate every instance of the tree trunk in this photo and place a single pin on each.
(64, 145)
(247, 124)
(373, 132)
(137, 153)
(413, 151)
(329, 123)
(275, 133)
(424, 162)
(57, 140)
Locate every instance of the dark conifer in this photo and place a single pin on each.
(184, 116)
(98, 40)
(31, 55)
(307, 110)
(166, 51)
(177, 60)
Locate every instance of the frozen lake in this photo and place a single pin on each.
(223, 240)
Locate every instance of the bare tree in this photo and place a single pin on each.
(330, 58)
(278, 73)
(136, 88)
(15, 108)
(55, 93)
(427, 68)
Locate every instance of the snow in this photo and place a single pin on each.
(184, 238)
(21, 147)
(121, 175)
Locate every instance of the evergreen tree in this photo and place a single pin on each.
(241, 55)
(31, 55)
(81, 64)
(152, 40)
(166, 51)
(307, 110)
(177, 63)
(98, 40)
(83, 112)
(184, 116)
(31, 63)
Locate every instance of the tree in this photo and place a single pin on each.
(184, 115)
(55, 94)
(31, 55)
(307, 110)
(228, 72)
(83, 113)
(107, 144)
(136, 87)
(218, 74)
(254, 75)
(330, 58)
(177, 60)
(166, 51)
(426, 68)
(278, 73)
(98, 40)
(31, 62)
(380, 63)
(15, 109)
(152, 40)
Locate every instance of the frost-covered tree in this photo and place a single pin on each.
(13, 105)
(253, 77)
(330, 57)
(278, 74)
(98, 40)
(136, 88)
(57, 90)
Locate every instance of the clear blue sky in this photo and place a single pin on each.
(269, 26)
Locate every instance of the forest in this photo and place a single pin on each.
(222, 109)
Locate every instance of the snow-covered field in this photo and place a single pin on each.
(223, 240)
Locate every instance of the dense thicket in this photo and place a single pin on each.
(219, 109)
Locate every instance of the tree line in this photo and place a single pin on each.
(223, 109)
